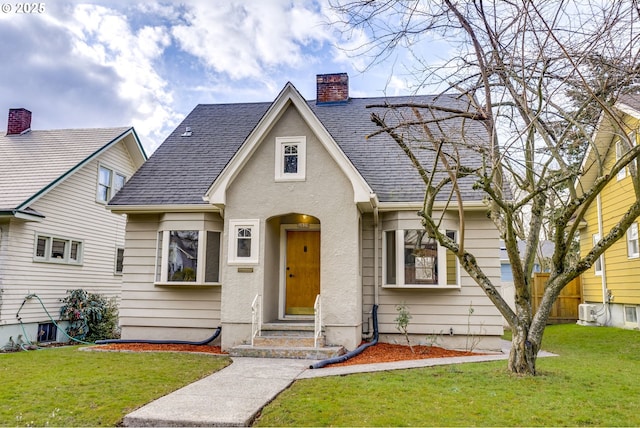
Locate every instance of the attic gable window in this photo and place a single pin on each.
(290, 162)
(109, 183)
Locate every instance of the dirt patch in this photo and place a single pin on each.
(155, 347)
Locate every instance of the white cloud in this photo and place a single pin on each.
(105, 36)
(250, 39)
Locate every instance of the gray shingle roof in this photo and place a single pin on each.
(183, 168)
(31, 162)
(632, 100)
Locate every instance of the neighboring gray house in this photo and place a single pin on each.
(285, 216)
(55, 232)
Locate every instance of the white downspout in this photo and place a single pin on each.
(376, 239)
(603, 276)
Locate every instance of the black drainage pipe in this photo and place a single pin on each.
(162, 342)
(358, 350)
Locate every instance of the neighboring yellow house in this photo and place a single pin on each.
(611, 290)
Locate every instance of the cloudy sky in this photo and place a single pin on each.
(81, 64)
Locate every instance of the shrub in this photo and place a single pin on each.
(91, 316)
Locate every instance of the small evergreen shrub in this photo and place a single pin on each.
(91, 316)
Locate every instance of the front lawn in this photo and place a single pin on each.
(594, 381)
(68, 387)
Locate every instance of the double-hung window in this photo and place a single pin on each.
(412, 258)
(54, 249)
(188, 256)
(243, 241)
(597, 266)
(109, 183)
(620, 151)
(290, 158)
(633, 250)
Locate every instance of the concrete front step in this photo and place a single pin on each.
(307, 352)
(294, 327)
(286, 341)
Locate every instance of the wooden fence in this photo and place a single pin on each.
(565, 309)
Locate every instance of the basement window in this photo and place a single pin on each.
(631, 315)
(47, 332)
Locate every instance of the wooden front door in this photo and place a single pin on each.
(302, 271)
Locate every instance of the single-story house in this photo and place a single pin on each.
(284, 215)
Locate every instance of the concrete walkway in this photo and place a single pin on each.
(234, 395)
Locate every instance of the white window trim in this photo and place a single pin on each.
(161, 266)
(596, 239)
(253, 225)
(630, 254)
(619, 152)
(301, 143)
(111, 192)
(66, 259)
(442, 264)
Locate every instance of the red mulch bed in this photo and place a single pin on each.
(379, 353)
(387, 352)
(153, 347)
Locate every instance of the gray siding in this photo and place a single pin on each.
(149, 311)
(435, 311)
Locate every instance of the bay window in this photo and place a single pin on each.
(412, 258)
(188, 256)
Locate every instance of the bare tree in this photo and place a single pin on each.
(519, 64)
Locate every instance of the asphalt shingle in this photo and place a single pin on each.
(32, 161)
(183, 168)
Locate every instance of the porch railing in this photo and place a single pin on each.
(317, 327)
(256, 317)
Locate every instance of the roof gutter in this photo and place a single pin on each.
(158, 209)
(442, 206)
(22, 215)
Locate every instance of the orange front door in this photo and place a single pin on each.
(302, 271)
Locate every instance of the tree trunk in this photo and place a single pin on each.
(524, 353)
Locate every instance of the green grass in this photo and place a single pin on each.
(594, 381)
(68, 387)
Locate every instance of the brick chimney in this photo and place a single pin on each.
(332, 88)
(19, 121)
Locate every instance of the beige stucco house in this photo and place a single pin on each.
(55, 232)
(284, 216)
